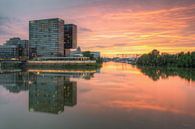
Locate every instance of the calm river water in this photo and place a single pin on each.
(117, 96)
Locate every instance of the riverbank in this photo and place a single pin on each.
(52, 65)
(63, 64)
(155, 58)
(155, 73)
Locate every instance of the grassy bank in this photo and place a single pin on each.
(66, 66)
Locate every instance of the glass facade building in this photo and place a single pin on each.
(47, 37)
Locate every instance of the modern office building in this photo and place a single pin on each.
(8, 52)
(13, 41)
(22, 46)
(15, 48)
(70, 36)
(47, 37)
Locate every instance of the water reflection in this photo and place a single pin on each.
(119, 97)
(164, 73)
(15, 82)
(49, 90)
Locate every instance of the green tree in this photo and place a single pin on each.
(88, 54)
(154, 58)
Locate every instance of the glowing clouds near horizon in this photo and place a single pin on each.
(112, 26)
(169, 30)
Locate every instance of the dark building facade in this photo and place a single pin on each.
(70, 38)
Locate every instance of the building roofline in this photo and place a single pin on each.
(46, 19)
(70, 24)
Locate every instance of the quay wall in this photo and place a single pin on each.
(60, 62)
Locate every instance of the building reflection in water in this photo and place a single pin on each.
(49, 92)
(70, 93)
(15, 82)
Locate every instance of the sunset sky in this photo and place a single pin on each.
(110, 26)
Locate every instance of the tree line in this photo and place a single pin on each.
(155, 58)
(155, 73)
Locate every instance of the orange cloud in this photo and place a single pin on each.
(167, 30)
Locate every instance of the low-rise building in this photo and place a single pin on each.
(95, 54)
(8, 51)
(76, 53)
(15, 48)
